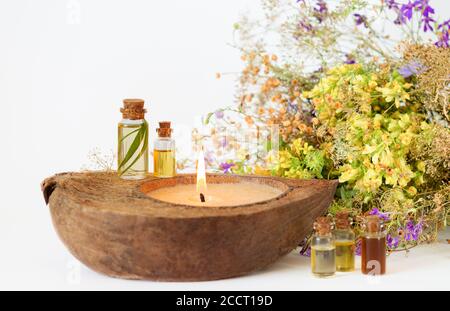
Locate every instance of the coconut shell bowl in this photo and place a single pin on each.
(114, 227)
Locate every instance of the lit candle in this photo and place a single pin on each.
(215, 194)
(201, 177)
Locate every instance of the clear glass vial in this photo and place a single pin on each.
(323, 252)
(345, 243)
(164, 161)
(373, 246)
(132, 141)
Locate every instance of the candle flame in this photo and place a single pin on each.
(201, 173)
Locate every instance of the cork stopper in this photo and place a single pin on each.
(164, 129)
(373, 224)
(342, 220)
(322, 226)
(133, 109)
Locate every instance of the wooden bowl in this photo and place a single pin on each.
(114, 228)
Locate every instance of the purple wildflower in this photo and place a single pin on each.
(292, 107)
(209, 158)
(305, 26)
(392, 4)
(427, 11)
(407, 10)
(427, 23)
(392, 242)
(424, 6)
(383, 216)
(349, 59)
(322, 7)
(443, 41)
(226, 167)
(321, 10)
(305, 247)
(395, 6)
(358, 248)
(400, 19)
(445, 24)
(412, 68)
(413, 230)
(306, 252)
(223, 141)
(219, 114)
(360, 20)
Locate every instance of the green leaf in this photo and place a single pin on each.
(208, 118)
(142, 132)
(133, 147)
(295, 163)
(130, 133)
(268, 145)
(141, 153)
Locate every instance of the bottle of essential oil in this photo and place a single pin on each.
(345, 243)
(133, 140)
(323, 252)
(373, 246)
(164, 152)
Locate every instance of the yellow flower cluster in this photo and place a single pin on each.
(373, 109)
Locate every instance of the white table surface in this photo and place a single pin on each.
(33, 258)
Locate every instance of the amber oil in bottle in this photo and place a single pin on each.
(164, 161)
(345, 243)
(373, 247)
(323, 252)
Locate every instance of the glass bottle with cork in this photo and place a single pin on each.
(345, 243)
(323, 251)
(373, 246)
(133, 140)
(164, 161)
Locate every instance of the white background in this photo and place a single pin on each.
(65, 66)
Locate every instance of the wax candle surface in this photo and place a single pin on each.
(223, 194)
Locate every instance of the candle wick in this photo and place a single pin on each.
(202, 198)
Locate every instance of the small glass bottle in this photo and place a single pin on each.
(133, 141)
(373, 246)
(323, 252)
(164, 162)
(345, 243)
